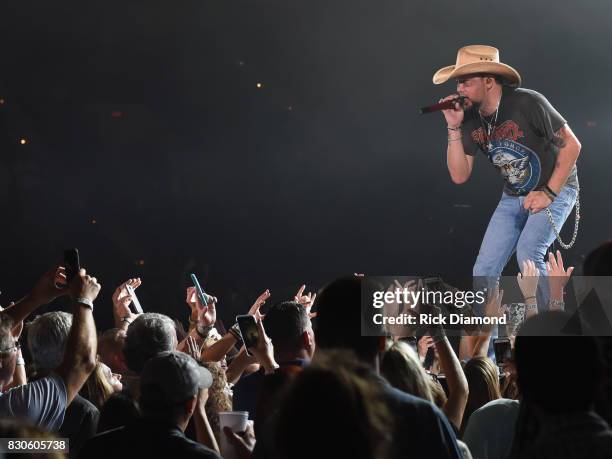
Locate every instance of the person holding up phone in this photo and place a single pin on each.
(44, 401)
(122, 298)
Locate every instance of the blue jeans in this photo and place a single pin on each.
(512, 228)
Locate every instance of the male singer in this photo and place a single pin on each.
(530, 144)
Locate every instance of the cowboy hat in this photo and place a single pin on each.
(477, 59)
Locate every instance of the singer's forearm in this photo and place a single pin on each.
(459, 164)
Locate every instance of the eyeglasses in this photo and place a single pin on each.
(6, 353)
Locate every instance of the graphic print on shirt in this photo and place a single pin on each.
(519, 165)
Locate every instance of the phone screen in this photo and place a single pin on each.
(430, 358)
(248, 330)
(71, 263)
(503, 350)
(135, 302)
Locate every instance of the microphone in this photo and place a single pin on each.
(447, 105)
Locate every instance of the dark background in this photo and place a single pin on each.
(151, 149)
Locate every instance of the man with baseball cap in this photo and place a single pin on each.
(529, 143)
(173, 387)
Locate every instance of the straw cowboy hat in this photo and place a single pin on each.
(477, 59)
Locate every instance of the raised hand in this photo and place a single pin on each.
(396, 309)
(259, 302)
(306, 300)
(558, 276)
(206, 315)
(494, 303)
(264, 351)
(122, 299)
(423, 345)
(84, 286)
(528, 280)
(49, 286)
(192, 348)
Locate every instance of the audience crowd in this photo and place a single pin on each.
(311, 384)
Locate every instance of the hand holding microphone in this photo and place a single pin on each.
(452, 108)
(454, 113)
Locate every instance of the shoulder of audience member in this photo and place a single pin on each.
(84, 405)
(200, 450)
(96, 445)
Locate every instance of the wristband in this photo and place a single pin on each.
(551, 195)
(19, 361)
(126, 319)
(529, 298)
(235, 332)
(85, 302)
(547, 188)
(456, 128)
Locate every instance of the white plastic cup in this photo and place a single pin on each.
(235, 420)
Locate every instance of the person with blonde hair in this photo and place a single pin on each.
(100, 385)
(402, 367)
(483, 381)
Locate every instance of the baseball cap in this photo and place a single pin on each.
(173, 375)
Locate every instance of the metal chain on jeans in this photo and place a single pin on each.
(576, 224)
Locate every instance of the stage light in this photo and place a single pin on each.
(259, 85)
(23, 141)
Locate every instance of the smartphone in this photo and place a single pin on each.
(71, 263)
(432, 284)
(203, 296)
(444, 383)
(435, 284)
(135, 302)
(430, 358)
(503, 350)
(249, 331)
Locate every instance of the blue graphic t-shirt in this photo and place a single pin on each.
(522, 145)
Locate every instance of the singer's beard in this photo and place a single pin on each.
(474, 104)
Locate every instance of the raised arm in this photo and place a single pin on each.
(457, 383)
(558, 277)
(80, 355)
(44, 292)
(451, 367)
(528, 283)
(238, 366)
(492, 309)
